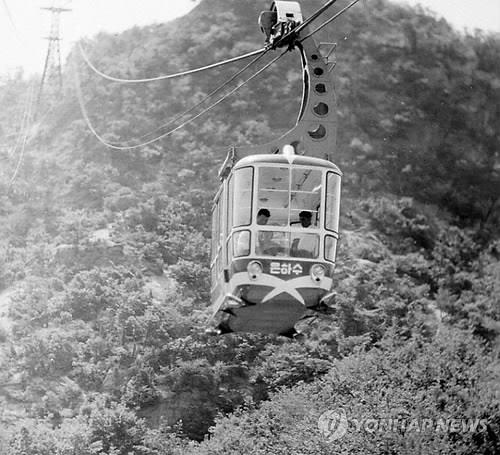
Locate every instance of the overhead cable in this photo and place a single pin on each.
(324, 24)
(259, 53)
(168, 76)
(206, 97)
(315, 15)
(24, 132)
(12, 22)
(211, 66)
(19, 134)
(7, 10)
(306, 22)
(168, 133)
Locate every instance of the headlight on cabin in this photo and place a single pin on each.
(254, 269)
(317, 272)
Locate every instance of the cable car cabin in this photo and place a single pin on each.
(275, 232)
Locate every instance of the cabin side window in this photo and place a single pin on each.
(213, 246)
(241, 244)
(330, 248)
(221, 239)
(215, 231)
(241, 207)
(230, 197)
(216, 241)
(332, 201)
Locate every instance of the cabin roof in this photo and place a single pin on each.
(282, 159)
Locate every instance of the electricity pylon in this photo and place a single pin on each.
(52, 72)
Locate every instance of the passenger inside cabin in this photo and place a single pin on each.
(265, 243)
(263, 216)
(305, 245)
(305, 218)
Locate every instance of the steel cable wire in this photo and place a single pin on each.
(12, 22)
(168, 133)
(306, 22)
(167, 76)
(309, 20)
(205, 98)
(22, 122)
(25, 133)
(259, 52)
(324, 24)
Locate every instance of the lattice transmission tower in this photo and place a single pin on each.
(52, 71)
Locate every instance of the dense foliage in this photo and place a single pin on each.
(104, 253)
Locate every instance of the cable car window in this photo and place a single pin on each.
(304, 245)
(305, 197)
(213, 243)
(330, 248)
(273, 243)
(241, 244)
(230, 193)
(279, 243)
(215, 230)
(332, 202)
(242, 200)
(273, 193)
(221, 226)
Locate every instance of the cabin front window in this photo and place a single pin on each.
(305, 197)
(304, 245)
(273, 194)
(291, 194)
(272, 243)
(294, 244)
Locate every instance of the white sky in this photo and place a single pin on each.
(23, 23)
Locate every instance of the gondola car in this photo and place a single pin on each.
(275, 218)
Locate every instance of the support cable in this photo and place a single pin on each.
(22, 124)
(206, 97)
(25, 125)
(168, 133)
(213, 65)
(12, 22)
(304, 24)
(324, 24)
(259, 53)
(168, 76)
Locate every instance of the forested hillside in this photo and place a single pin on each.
(104, 253)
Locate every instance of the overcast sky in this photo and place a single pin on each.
(23, 23)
